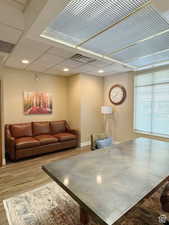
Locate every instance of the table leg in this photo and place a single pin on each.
(84, 217)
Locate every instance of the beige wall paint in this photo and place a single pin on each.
(85, 98)
(15, 82)
(74, 101)
(77, 99)
(92, 95)
(122, 118)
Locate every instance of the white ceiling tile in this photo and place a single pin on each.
(100, 63)
(15, 62)
(71, 64)
(26, 49)
(88, 68)
(14, 4)
(9, 34)
(52, 71)
(21, 1)
(61, 67)
(115, 67)
(31, 49)
(44, 62)
(36, 68)
(58, 67)
(58, 70)
(11, 15)
(19, 4)
(61, 52)
(110, 68)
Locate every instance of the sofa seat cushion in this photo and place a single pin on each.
(26, 142)
(46, 139)
(65, 136)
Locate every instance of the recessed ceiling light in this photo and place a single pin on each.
(65, 69)
(25, 61)
(101, 71)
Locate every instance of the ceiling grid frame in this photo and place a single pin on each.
(102, 57)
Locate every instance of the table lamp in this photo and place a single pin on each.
(106, 110)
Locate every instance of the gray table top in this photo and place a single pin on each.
(109, 182)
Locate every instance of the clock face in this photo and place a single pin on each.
(117, 94)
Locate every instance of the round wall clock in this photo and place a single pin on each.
(117, 94)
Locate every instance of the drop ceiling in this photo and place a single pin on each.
(118, 35)
(120, 30)
(20, 4)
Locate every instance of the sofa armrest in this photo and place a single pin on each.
(9, 143)
(75, 132)
(68, 129)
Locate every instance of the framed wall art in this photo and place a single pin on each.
(37, 103)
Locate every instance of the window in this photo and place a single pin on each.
(151, 103)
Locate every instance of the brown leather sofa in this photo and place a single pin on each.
(29, 139)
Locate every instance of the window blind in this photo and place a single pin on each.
(151, 103)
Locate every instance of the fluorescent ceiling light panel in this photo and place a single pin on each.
(148, 47)
(82, 19)
(145, 23)
(150, 60)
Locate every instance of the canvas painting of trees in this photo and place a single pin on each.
(37, 103)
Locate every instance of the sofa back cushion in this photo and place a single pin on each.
(41, 128)
(21, 130)
(58, 126)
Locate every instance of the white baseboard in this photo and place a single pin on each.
(116, 142)
(83, 144)
(3, 162)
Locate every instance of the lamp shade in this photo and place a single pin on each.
(106, 110)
